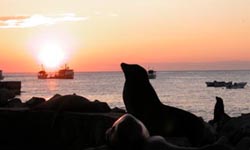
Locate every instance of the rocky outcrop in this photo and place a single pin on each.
(73, 103)
(15, 103)
(13, 86)
(236, 129)
(48, 130)
(72, 122)
(34, 101)
(118, 110)
(243, 144)
(5, 95)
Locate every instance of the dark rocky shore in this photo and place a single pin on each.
(72, 122)
(62, 122)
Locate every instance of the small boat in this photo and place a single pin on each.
(42, 74)
(218, 83)
(236, 85)
(1, 75)
(151, 74)
(64, 73)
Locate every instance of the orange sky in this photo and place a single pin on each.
(98, 35)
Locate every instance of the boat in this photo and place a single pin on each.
(1, 75)
(236, 85)
(218, 83)
(228, 85)
(42, 74)
(64, 73)
(151, 74)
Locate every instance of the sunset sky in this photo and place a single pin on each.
(97, 35)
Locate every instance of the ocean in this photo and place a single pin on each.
(183, 89)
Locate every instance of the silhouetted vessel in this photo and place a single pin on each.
(228, 85)
(218, 83)
(236, 85)
(64, 73)
(151, 74)
(42, 74)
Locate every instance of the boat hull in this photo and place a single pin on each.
(237, 85)
(218, 84)
(228, 85)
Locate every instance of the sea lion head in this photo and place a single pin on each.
(127, 133)
(138, 93)
(134, 72)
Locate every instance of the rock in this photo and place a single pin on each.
(55, 97)
(209, 134)
(15, 102)
(31, 130)
(157, 143)
(73, 103)
(5, 95)
(236, 129)
(244, 144)
(103, 147)
(34, 101)
(180, 141)
(13, 86)
(101, 106)
(118, 110)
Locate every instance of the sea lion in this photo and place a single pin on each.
(219, 112)
(159, 143)
(141, 100)
(220, 117)
(127, 133)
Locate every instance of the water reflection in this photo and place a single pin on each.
(52, 84)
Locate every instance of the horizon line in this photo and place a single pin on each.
(171, 70)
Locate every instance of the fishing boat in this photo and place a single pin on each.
(218, 83)
(236, 85)
(65, 73)
(42, 74)
(151, 74)
(228, 85)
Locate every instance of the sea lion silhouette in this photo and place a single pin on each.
(127, 133)
(141, 100)
(159, 143)
(220, 117)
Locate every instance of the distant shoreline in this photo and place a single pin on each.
(156, 70)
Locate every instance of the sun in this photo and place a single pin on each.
(51, 55)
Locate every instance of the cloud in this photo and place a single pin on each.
(113, 14)
(37, 20)
(103, 14)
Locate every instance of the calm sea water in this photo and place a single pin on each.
(183, 89)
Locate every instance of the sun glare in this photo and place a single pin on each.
(51, 56)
